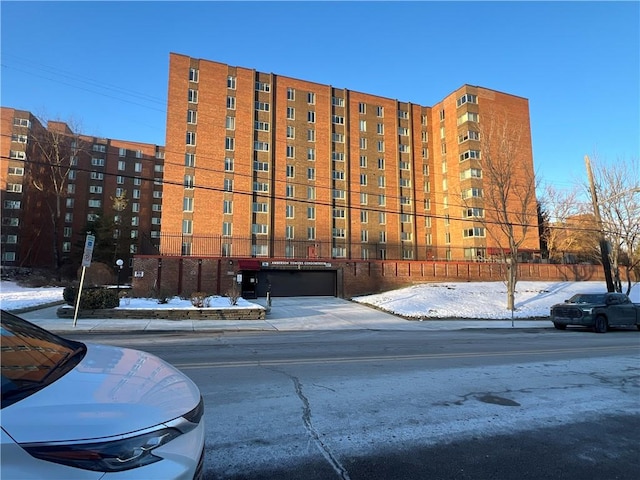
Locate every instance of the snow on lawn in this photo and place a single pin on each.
(480, 299)
(435, 300)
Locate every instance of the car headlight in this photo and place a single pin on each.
(106, 456)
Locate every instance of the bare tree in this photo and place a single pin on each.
(618, 187)
(509, 190)
(561, 207)
(54, 151)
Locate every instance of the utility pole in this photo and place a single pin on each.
(604, 248)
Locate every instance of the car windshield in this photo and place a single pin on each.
(33, 358)
(587, 298)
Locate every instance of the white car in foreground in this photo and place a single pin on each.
(84, 411)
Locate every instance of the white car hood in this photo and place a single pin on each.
(112, 391)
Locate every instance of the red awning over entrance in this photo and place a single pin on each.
(249, 264)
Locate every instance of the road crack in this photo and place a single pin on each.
(307, 420)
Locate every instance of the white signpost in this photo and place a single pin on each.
(86, 262)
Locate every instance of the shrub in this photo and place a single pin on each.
(200, 299)
(93, 298)
(233, 294)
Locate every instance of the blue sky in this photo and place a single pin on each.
(104, 65)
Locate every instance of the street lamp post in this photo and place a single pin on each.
(119, 264)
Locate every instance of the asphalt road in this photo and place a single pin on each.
(466, 404)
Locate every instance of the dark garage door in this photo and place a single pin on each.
(297, 283)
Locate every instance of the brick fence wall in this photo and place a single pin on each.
(184, 275)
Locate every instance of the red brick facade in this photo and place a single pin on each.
(286, 164)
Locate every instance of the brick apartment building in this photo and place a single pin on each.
(293, 173)
(92, 174)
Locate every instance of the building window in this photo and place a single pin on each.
(469, 154)
(187, 204)
(337, 156)
(187, 227)
(229, 143)
(262, 106)
(402, 114)
(289, 232)
(403, 148)
(380, 111)
(383, 237)
(227, 229)
(338, 194)
(363, 161)
(192, 116)
(261, 166)
(290, 151)
(363, 179)
(228, 185)
(228, 164)
(381, 145)
(362, 108)
(380, 129)
(230, 123)
(193, 75)
(259, 229)
(311, 173)
(289, 191)
(311, 193)
(468, 135)
(473, 232)
(339, 252)
(364, 198)
(189, 182)
(18, 155)
(337, 137)
(231, 103)
(97, 176)
(190, 159)
(311, 116)
(291, 113)
(339, 233)
(311, 98)
(363, 143)
(311, 213)
(261, 126)
(289, 211)
(259, 250)
(468, 117)
(363, 125)
(311, 233)
(339, 213)
(291, 131)
(227, 207)
(472, 193)
(14, 187)
(18, 138)
(231, 82)
(95, 189)
(261, 146)
(337, 119)
(338, 175)
(471, 173)
(260, 207)
(311, 135)
(382, 181)
(263, 87)
(260, 187)
(191, 138)
(22, 122)
(290, 171)
(97, 162)
(291, 94)
(382, 200)
(441, 114)
(193, 96)
(364, 216)
(466, 98)
(311, 154)
(404, 165)
(337, 101)
(71, 188)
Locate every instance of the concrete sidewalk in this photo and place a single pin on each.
(287, 314)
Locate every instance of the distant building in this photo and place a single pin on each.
(267, 166)
(95, 177)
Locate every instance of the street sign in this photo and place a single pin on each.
(88, 250)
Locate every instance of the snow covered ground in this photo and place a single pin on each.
(485, 300)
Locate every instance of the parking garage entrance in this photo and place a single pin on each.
(297, 283)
